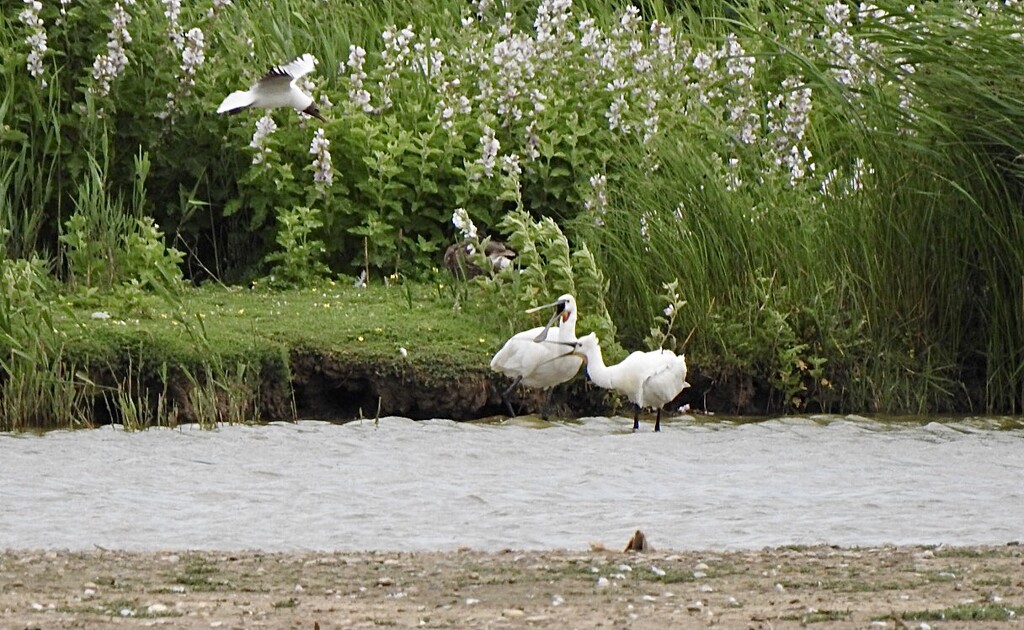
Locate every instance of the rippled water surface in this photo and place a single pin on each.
(407, 485)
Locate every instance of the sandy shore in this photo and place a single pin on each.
(893, 587)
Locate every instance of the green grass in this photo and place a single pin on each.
(966, 612)
(363, 325)
(820, 616)
(291, 602)
(198, 575)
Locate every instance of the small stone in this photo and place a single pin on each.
(298, 588)
(384, 581)
(780, 588)
(696, 606)
(700, 567)
(879, 624)
(156, 609)
(699, 574)
(656, 571)
(513, 613)
(603, 582)
(470, 601)
(557, 600)
(649, 598)
(924, 626)
(706, 588)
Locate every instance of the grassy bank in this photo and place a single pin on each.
(222, 354)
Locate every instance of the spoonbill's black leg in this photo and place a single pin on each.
(505, 396)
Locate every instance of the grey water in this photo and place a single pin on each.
(439, 485)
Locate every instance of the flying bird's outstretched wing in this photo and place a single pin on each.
(296, 69)
(236, 102)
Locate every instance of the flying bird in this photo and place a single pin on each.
(647, 379)
(277, 88)
(532, 357)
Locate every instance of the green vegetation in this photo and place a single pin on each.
(819, 616)
(828, 195)
(966, 612)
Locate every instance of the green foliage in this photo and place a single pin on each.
(38, 387)
(965, 612)
(298, 262)
(662, 333)
(544, 268)
(864, 160)
(107, 247)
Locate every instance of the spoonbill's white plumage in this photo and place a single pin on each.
(647, 379)
(277, 88)
(531, 358)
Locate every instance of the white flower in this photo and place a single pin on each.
(323, 174)
(702, 61)
(193, 56)
(597, 200)
(510, 164)
(357, 94)
(36, 39)
(462, 222)
(172, 11)
(264, 127)
(489, 147)
(108, 66)
(218, 6)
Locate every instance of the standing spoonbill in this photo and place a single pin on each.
(532, 357)
(647, 379)
(277, 88)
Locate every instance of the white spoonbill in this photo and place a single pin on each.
(647, 379)
(277, 88)
(531, 358)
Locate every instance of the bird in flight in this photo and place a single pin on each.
(277, 88)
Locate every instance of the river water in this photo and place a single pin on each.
(703, 483)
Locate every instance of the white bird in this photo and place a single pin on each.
(647, 379)
(532, 358)
(277, 88)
